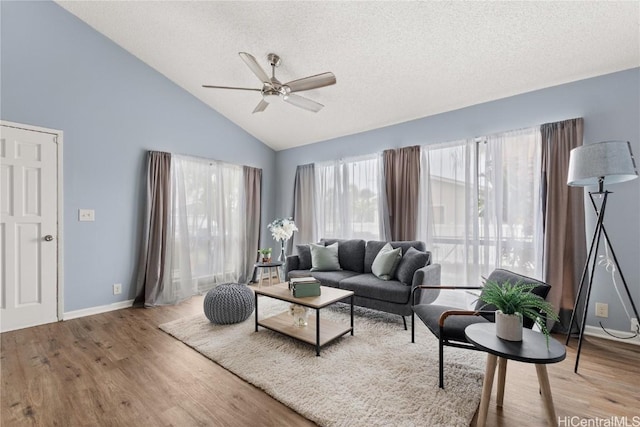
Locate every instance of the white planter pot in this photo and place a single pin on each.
(509, 326)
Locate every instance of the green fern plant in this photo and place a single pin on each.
(519, 298)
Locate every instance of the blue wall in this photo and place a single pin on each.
(57, 72)
(610, 106)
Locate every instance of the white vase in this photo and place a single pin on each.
(509, 326)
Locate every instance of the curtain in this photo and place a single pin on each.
(349, 198)
(479, 205)
(509, 203)
(402, 182)
(209, 236)
(565, 250)
(304, 206)
(446, 208)
(202, 227)
(251, 232)
(153, 253)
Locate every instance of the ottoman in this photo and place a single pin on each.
(229, 303)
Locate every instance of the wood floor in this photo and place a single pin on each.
(119, 369)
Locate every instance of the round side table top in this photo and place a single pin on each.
(268, 264)
(532, 348)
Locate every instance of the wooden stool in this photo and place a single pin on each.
(268, 267)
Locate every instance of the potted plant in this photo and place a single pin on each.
(266, 254)
(512, 303)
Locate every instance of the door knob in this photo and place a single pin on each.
(48, 238)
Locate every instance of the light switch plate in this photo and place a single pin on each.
(86, 215)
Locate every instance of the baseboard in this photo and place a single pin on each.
(595, 331)
(97, 310)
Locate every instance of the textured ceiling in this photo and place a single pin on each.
(394, 61)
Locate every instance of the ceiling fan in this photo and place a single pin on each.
(273, 90)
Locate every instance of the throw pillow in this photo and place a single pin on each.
(386, 262)
(350, 253)
(304, 257)
(412, 260)
(324, 258)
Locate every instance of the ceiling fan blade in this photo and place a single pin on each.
(312, 82)
(302, 102)
(262, 105)
(230, 87)
(255, 67)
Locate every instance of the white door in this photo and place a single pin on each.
(28, 230)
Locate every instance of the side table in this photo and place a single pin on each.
(268, 267)
(532, 349)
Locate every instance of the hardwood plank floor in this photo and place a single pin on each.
(119, 369)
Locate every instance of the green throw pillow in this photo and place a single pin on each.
(386, 262)
(324, 258)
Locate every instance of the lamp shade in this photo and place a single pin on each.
(609, 161)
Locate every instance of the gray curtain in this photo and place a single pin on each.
(154, 239)
(402, 180)
(564, 252)
(253, 204)
(304, 206)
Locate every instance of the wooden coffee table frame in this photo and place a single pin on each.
(326, 331)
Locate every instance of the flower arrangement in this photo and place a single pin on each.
(300, 314)
(282, 229)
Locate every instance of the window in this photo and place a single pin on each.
(348, 198)
(209, 222)
(489, 190)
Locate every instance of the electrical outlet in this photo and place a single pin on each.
(635, 327)
(117, 288)
(602, 309)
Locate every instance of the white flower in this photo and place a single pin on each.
(282, 229)
(295, 309)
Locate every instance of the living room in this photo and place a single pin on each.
(59, 73)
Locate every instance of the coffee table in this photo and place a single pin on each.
(324, 332)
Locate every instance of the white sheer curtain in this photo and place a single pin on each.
(206, 234)
(511, 221)
(446, 216)
(350, 198)
(480, 205)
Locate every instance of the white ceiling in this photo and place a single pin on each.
(394, 61)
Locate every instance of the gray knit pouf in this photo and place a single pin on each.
(229, 303)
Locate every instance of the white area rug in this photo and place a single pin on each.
(374, 378)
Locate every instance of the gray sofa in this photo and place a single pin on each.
(356, 257)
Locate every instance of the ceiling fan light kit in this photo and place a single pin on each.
(274, 91)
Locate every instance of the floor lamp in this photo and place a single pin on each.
(608, 162)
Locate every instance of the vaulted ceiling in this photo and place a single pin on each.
(394, 61)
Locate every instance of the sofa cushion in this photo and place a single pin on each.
(324, 258)
(350, 253)
(369, 286)
(304, 257)
(385, 263)
(412, 260)
(374, 246)
(332, 278)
